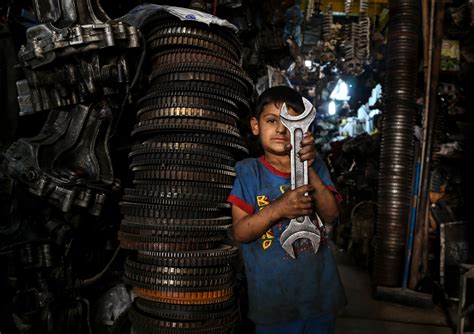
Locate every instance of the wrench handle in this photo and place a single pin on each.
(299, 169)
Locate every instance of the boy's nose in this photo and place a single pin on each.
(281, 128)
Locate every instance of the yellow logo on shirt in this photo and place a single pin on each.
(262, 200)
(267, 239)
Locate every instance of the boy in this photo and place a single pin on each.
(286, 295)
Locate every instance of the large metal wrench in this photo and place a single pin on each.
(300, 227)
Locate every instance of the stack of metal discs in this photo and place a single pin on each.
(176, 216)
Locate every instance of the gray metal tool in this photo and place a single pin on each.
(300, 227)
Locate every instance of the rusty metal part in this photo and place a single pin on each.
(185, 194)
(219, 221)
(194, 28)
(222, 116)
(209, 90)
(178, 271)
(208, 326)
(397, 145)
(187, 99)
(180, 159)
(181, 55)
(188, 189)
(161, 201)
(173, 152)
(184, 173)
(170, 41)
(237, 145)
(232, 78)
(166, 211)
(170, 231)
(218, 256)
(183, 125)
(186, 245)
(68, 162)
(186, 312)
(218, 295)
(159, 282)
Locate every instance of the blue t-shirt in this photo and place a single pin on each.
(280, 288)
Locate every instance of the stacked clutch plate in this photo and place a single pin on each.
(176, 215)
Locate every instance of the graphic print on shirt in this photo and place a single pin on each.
(267, 237)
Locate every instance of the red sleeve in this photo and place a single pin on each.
(336, 194)
(241, 204)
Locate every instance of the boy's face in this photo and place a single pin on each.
(274, 136)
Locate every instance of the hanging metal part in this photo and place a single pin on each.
(397, 146)
(70, 72)
(301, 227)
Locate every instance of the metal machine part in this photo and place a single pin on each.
(176, 216)
(77, 68)
(300, 227)
(397, 144)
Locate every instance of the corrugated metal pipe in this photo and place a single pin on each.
(397, 146)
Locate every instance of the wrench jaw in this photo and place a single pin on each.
(297, 230)
(304, 119)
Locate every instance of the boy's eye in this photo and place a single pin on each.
(271, 120)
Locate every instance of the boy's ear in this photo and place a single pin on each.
(254, 126)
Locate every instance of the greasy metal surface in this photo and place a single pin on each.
(235, 145)
(186, 312)
(223, 115)
(195, 222)
(168, 326)
(397, 146)
(217, 256)
(300, 227)
(216, 295)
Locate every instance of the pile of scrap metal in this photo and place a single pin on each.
(187, 139)
(62, 189)
(58, 185)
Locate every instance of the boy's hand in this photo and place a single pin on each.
(294, 203)
(307, 150)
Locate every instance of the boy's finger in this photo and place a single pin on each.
(304, 188)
